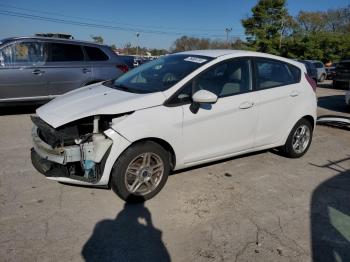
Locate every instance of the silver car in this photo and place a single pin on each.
(36, 69)
(321, 70)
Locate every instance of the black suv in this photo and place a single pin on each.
(341, 78)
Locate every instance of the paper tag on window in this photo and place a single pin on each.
(195, 59)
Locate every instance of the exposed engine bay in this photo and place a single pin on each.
(77, 150)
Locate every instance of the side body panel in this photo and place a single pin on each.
(219, 129)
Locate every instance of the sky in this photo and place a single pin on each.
(159, 22)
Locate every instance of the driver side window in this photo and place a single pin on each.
(23, 54)
(226, 79)
(7, 58)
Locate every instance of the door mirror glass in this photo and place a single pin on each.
(204, 96)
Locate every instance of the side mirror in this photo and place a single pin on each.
(204, 96)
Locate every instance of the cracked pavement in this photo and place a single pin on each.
(258, 207)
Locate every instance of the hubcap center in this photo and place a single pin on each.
(144, 174)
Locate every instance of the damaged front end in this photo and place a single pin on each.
(77, 150)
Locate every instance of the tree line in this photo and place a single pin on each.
(128, 49)
(321, 35)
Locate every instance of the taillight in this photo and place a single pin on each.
(312, 82)
(123, 67)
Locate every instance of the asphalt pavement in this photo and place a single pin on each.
(257, 207)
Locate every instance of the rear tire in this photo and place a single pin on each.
(335, 84)
(322, 78)
(299, 139)
(140, 172)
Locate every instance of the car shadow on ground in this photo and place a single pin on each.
(131, 236)
(330, 216)
(326, 84)
(329, 85)
(18, 110)
(335, 103)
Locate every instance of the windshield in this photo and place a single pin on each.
(160, 74)
(343, 65)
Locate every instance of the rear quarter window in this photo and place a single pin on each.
(95, 54)
(296, 72)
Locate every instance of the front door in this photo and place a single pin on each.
(227, 126)
(22, 71)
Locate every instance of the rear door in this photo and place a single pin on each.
(279, 93)
(22, 71)
(67, 68)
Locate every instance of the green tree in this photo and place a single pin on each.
(186, 43)
(265, 28)
(114, 47)
(97, 39)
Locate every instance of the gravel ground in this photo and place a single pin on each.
(258, 207)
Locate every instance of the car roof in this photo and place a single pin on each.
(314, 61)
(221, 52)
(215, 53)
(55, 39)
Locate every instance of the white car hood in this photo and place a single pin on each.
(92, 100)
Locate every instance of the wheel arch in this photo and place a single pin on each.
(310, 119)
(166, 145)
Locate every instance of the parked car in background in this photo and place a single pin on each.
(330, 70)
(129, 60)
(310, 68)
(171, 113)
(341, 78)
(321, 70)
(36, 69)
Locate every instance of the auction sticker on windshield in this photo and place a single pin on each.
(195, 59)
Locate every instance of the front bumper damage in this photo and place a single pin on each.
(81, 160)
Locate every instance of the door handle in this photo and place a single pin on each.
(294, 93)
(38, 72)
(86, 70)
(246, 105)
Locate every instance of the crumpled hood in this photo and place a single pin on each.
(92, 100)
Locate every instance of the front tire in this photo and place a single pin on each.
(299, 139)
(140, 172)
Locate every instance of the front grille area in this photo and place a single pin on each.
(62, 136)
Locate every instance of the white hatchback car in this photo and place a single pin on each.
(175, 112)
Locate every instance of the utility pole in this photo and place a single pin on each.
(137, 43)
(281, 33)
(227, 30)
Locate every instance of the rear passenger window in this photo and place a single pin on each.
(95, 54)
(66, 52)
(273, 74)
